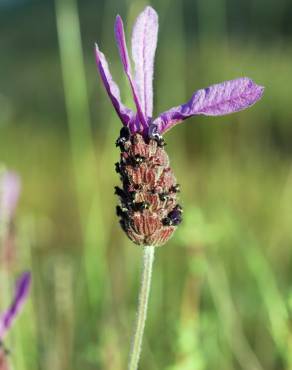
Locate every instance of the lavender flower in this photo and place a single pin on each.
(149, 212)
(21, 293)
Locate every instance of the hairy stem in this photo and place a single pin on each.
(148, 258)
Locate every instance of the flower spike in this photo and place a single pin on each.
(21, 294)
(216, 100)
(144, 41)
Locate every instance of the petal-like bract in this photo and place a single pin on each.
(9, 194)
(125, 114)
(21, 293)
(121, 42)
(216, 100)
(144, 41)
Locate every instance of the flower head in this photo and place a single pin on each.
(216, 100)
(148, 210)
(21, 293)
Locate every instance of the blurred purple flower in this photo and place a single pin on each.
(9, 194)
(21, 293)
(216, 100)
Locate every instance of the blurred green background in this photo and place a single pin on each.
(221, 292)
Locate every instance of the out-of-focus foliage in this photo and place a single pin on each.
(222, 296)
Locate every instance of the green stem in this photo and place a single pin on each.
(148, 258)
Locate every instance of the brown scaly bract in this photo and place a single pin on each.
(148, 211)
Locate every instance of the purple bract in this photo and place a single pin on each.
(216, 100)
(9, 193)
(21, 293)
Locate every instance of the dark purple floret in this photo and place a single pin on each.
(124, 136)
(174, 217)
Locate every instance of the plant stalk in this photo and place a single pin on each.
(148, 258)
